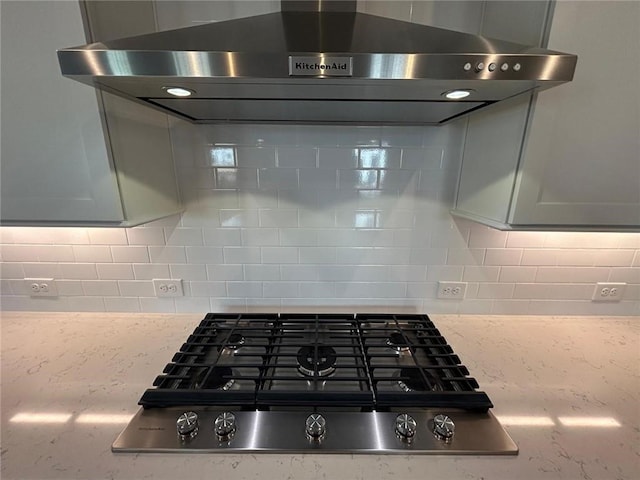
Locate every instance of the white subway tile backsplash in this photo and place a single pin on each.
(571, 274)
(317, 290)
(319, 179)
(262, 272)
(170, 254)
(365, 179)
(204, 255)
(239, 218)
(242, 255)
(256, 157)
(511, 274)
(107, 236)
(280, 290)
(474, 273)
(293, 237)
(373, 290)
(184, 236)
(14, 270)
(280, 255)
(225, 272)
(78, 271)
(613, 258)
(495, 290)
(146, 271)
(136, 288)
(317, 255)
(114, 271)
(627, 274)
(237, 178)
(130, 254)
(244, 289)
(221, 237)
(506, 256)
(55, 253)
(69, 288)
(308, 218)
(188, 272)
(297, 157)
(38, 270)
(422, 158)
(299, 272)
(100, 288)
(92, 253)
(146, 236)
(208, 289)
(261, 237)
(275, 178)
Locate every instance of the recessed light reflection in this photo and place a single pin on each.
(589, 422)
(178, 91)
(27, 417)
(457, 94)
(526, 421)
(102, 418)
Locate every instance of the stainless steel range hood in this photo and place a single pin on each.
(299, 66)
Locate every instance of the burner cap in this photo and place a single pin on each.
(398, 342)
(411, 380)
(234, 341)
(219, 379)
(325, 364)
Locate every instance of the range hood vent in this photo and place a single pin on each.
(312, 65)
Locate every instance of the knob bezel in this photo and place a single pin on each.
(406, 427)
(224, 425)
(187, 425)
(443, 428)
(315, 426)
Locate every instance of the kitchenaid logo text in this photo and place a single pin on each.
(325, 66)
(320, 66)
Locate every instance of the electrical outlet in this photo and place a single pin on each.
(608, 292)
(168, 287)
(41, 287)
(452, 290)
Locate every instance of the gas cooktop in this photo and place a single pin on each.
(370, 383)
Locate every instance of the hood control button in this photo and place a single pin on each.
(187, 425)
(443, 428)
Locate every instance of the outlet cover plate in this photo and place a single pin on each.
(608, 292)
(168, 287)
(41, 287)
(452, 290)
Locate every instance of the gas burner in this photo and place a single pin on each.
(234, 342)
(322, 367)
(412, 381)
(398, 342)
(219, 378)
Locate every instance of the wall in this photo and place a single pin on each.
(281, 218)
(303, 217)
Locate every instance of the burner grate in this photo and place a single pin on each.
(370, 361)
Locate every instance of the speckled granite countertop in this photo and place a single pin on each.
(566, 388)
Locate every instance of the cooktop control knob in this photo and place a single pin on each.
(225, 425)
(315, 425)
(405, 426)
(443, 428)
(187, 425)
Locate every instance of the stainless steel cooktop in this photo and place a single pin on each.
(365, 383)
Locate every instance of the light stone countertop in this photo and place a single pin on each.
(88, 370)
